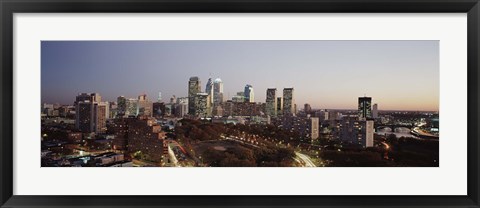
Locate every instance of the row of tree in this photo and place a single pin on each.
(241, 156)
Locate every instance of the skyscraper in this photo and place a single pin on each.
(209, 90)
(314, 128)
(217, 92)
(91, 113)
(271, 102)
(279, 105)
(121, 106)
(238, 98)
(307, 108)
(182, 106)
(375, 111)
(201, 106)
(369, 130)
(84, 116)
(173, 99)
(182, 100)
(112, 109)
(193, 88)
(365, 107)
(322, 115)
(82, 97)
(248, 93)
(131, 107)
(95, 97)
(158, 109)
(144, 106)
(288, 102)
(100, 116)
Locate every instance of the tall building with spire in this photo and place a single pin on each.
(193, 88)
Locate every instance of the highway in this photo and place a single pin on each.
(305, 159)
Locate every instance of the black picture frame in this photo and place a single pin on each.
(9, 7)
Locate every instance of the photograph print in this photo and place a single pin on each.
(240, 103)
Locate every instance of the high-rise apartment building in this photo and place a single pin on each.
(279, 105)
(369, 131)
(120, 130)
(351, 129)
(113, 109)
(307, 108)
(334, 115)
(84, 120)
(121, 106)
(91, 113)
(201, 106)
(322, 115)
(131, 107)
(100, 117)
(365, 107)
(375, 111)
(314, 128)
(146, 139)
(271, 102)
(288, 102)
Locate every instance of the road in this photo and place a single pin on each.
(305, 159)
(417, 131)
(243, 142)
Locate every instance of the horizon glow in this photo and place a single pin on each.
(398, 75)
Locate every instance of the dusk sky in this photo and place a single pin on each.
(398, 75)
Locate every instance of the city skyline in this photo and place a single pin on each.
(404, 77)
